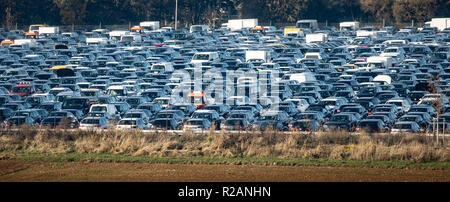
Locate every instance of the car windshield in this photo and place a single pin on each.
(21, 89)
(51, 120)
(22, 114)
(195, 123)
(133, 115)
(237, 116)
(163, 123)
(408, 118)
(96, 114)
(340, 118)
(417, 109)
(99, 109)
(234, 123)
(162, 101)
(201, 57)
(403, 126)
(89, 93)
(202, 115)
(73, 103)
(127, 122)
(90, 121)
(342, 94)
(33, 100)
(306, 116)
(301, 124)
(329, 102)
(133, 101)
(368, 124)
(118, 92)
(17, 121)
(399, 104)
(47, 107)
(268, 118)
(165, 115)
(350, 109)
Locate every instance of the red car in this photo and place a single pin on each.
(23, 89)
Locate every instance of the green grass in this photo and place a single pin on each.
(123, 158)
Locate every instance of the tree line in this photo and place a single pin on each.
(215, 12)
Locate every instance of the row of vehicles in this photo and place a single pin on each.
(232, 78)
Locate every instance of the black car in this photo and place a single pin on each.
(165, 123)
(5, 113)
(210, 115)
(372, 125)
(277, 120)
(357, 109)
(304, 125)
(153, 107)
(341, 121)
(222, 110)
(78, 103)
(423, 124)
(62, 121)
(16, 121)
(188, 109)
(415, 96)
(37, 117)
(51, 106)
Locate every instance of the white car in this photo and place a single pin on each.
(402, 105)
(301, 104)
(197, 124)
(405, 127)
(132, 123)
(93, 123)
(109, 109)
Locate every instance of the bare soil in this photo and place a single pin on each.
(18, 171)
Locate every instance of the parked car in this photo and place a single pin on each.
(93, 123)
(132, 123)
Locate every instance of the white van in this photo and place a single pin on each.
(303, 77)
(162, 67)
(205, 57)
(119, 91)
(109, 109)
(382, 79)
(199, 29)
(165, 102)
(131, 38)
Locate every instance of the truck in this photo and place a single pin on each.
(29, 42)
(149, 25)
(318, 37)
(90, 41)
(117, 34)
(131, 38)
(199, 29)
(46, 31)
(288, 30)
(365, 33)
(241, 24)
(379, 62)
(307, 24)
(35, 28)
(382, 79)
(349, 26)
(252, 55)
(303, 77)
(439, 23)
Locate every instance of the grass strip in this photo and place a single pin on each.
(125, 158)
